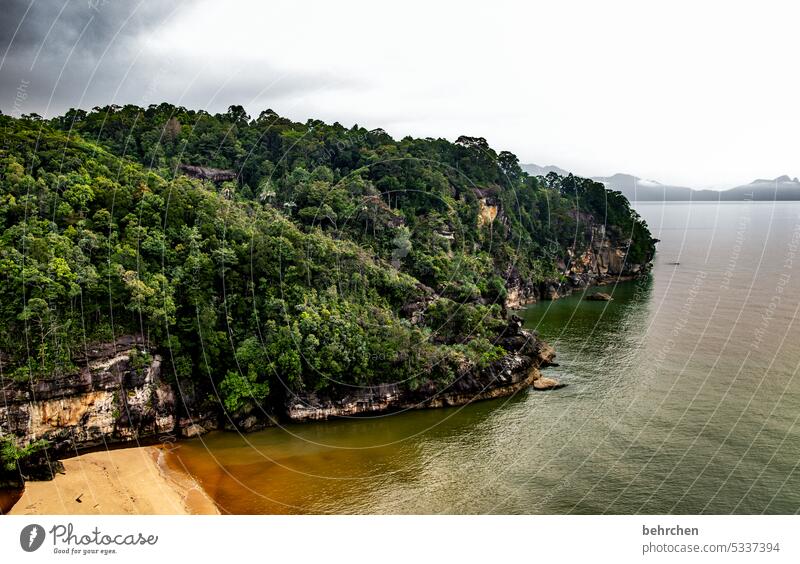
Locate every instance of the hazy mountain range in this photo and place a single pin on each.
(639, 189)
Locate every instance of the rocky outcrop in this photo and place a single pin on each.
(603, 261)
(517, 370)
(489, 208)
(599, 297)
(543, 384)
(208, 173)
(118, 395)
(519, 291)
(487, 211)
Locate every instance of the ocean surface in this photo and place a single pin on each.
(682, 396)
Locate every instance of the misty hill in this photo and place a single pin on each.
(782, 188)
(635, 188)
(536, 170)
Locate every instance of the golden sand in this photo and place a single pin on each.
(126, 481)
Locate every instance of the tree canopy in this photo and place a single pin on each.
(294, 274)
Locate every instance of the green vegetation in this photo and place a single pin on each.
(295, 275)
(11, 454)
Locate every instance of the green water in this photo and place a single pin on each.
(682, 397)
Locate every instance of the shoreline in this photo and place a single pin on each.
(122, 481)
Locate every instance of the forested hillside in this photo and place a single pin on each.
(313, 256)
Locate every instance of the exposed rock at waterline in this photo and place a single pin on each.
(599, 297)
(543, 383)
(517, 370)
(117, 396)
(603, 261)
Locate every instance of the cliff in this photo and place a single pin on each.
(117, 396)
(120, 396)
(347, 259)
(602, 261)
(517, 370)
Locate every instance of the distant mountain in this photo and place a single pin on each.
(781, 188)
(781, 179)
(638, 189)
(536, 170)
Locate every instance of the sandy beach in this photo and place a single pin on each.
(126, 481)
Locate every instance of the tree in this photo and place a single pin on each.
(172, 129)
(509, 165)
(236, 115)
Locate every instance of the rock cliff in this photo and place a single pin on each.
(517, 370)
(120, 396)
(602, 261)
(117, 395)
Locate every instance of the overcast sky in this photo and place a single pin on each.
(699, 95)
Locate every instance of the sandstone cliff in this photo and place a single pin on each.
(602, 261)
(117, 396)
(121, 396)
(515, 371)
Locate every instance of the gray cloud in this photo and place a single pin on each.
(608, 91)
(55, 50)
(25, 23)
(90, 52)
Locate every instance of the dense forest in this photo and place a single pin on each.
(264, 255)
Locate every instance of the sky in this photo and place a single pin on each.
(688, 93)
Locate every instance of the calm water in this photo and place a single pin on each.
(682, 397)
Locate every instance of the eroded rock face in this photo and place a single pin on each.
(517, 370)
(117, 396)
(602, 262)
(208, 173)
(487, 211)
(520, 292)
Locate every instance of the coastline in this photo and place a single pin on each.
(125, 481)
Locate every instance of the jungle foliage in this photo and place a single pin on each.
(293, 276)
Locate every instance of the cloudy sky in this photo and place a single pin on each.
(674, 91)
